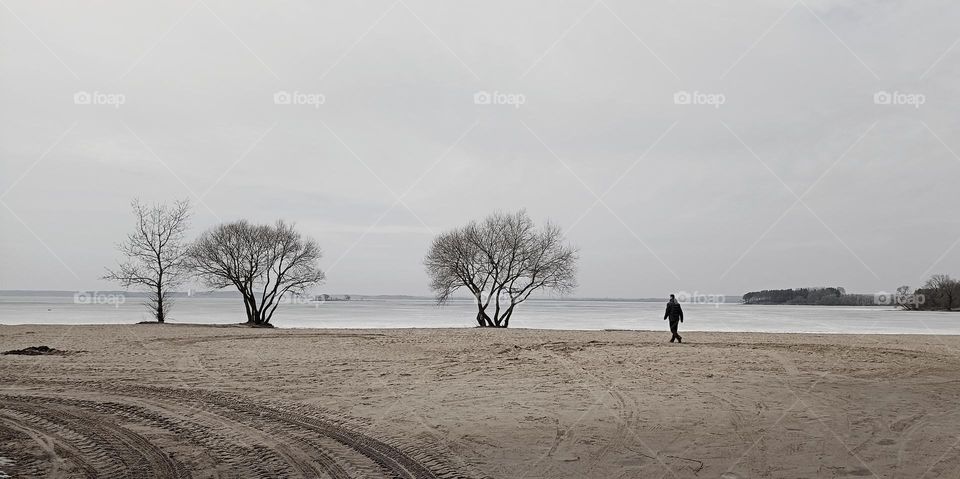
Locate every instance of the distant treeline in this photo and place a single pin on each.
(809, 296)
(939, 293)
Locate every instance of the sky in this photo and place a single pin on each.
(698, 146)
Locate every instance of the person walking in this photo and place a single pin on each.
(675, 314)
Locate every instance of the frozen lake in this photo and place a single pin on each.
(546, 314)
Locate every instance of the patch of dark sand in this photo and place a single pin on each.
(38, 351)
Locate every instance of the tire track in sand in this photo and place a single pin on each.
(237, 436)
(96, 444)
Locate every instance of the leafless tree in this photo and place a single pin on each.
(500, 261)
(155, 254)
(946, 290)
(905, 299)
(264, 262)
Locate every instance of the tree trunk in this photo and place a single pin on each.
(161, 314)
(249, 305)
(506, 316)
(252, 315)
(483, 319)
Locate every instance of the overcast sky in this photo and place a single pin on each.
(783, 165)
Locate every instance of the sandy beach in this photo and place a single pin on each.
(191, 401)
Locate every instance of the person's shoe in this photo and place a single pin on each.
(671, 340)
(680, 340)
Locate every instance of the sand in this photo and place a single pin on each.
(181, 401)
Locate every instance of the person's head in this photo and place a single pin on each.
(673, 298)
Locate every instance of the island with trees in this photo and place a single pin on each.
(817, 296)
(939, 293)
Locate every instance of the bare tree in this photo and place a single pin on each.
(500, 261)
(905, 299)
(155, 254)
(264, 262)
(946, 289)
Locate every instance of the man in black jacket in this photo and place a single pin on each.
(675, 314)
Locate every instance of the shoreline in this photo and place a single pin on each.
(244, 326)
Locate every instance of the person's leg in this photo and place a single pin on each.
(673, 330)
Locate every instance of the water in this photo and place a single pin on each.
(415, 313)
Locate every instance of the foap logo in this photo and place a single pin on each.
(284, 97)
(910, 300)
(883, 298)
(484, 97)
(99, 98)
(697, 297)
(96, 297)
(697, 97)
(899, 98)
(291, 298)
